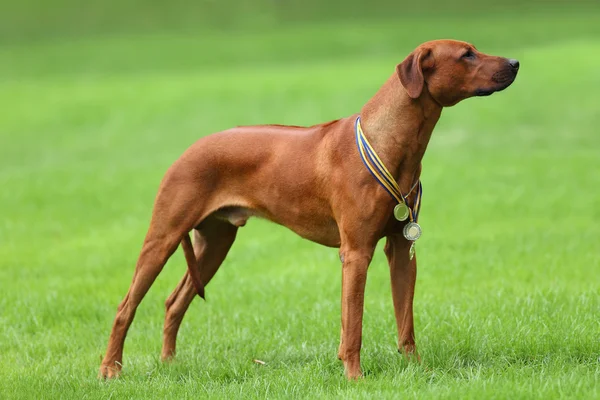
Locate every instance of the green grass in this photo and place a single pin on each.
(507, 300)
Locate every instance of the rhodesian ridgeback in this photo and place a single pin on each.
(338, 184)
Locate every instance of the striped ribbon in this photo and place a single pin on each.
(381, 173)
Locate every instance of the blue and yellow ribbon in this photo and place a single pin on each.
(381, 173)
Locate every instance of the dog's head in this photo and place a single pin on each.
(452, 71)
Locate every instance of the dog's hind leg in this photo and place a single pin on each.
(175, 214)
(154, 255)
(212, 241)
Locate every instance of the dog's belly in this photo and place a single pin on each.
(320, 229)
(324, 232)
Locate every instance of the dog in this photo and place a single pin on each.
(321, 182)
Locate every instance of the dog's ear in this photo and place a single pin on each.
(411, 69)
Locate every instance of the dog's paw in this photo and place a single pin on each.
(167, 355)
(354, 375)
(409, 351)
(109, 372)
(352, 370)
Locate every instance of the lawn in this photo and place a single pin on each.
(508, 290)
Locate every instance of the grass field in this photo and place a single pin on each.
(508, 294)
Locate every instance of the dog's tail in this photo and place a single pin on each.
(190, 258)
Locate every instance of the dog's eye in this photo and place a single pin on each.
(468, 54)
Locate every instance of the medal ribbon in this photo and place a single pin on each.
(414, 211)
(381, 173)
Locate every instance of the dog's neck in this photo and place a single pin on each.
(399, 129)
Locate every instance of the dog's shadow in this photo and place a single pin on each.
(379, 363)
(468, 363)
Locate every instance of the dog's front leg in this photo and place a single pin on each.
(403, 272)
(354, 277)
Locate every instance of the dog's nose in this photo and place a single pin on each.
(514, 64)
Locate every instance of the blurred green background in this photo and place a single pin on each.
(97, 99)
(34, 19)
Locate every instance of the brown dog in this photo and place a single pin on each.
(313, 181)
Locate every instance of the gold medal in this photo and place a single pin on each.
(411, 251)
(412, 231)
(401, 212)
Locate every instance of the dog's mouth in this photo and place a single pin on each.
(503, 79)
(499, 88)
(484, 92)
